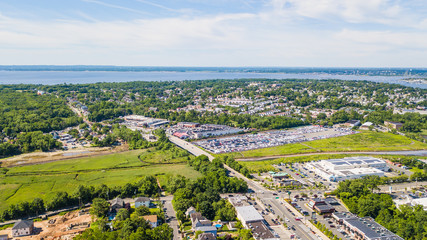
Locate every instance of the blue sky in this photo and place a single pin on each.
(307, 33)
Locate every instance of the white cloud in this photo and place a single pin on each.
(273, 37)
(355, 11)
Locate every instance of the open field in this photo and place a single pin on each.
(43, 157)
(364, 141)
(266, 165)
(43, 180)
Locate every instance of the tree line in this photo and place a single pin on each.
(406, 221)
(203, 193)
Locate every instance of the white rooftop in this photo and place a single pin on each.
(420, 201)
(249, 214)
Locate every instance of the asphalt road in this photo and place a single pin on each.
(302, 228)
(170, 213)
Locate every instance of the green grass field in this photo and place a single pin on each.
(43, 180)
(266, 165)
(364, 141)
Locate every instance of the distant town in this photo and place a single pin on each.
(215, 159)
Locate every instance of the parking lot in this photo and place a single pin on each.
(271, 139)
(301, 206)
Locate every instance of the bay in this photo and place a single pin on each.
(85, 77)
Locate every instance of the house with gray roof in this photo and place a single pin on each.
(116, 204)
(142, 201)
(23, 228)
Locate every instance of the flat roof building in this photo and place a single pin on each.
(348, 168)
(411, 202)
(364, 228)
(248, 214)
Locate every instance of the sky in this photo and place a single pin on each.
(280, 33)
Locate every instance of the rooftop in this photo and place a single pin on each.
(260, 231)
(142, 199)
(23, 224)
(206, 228)
(249, 214)
(151, 218)
(366, 226)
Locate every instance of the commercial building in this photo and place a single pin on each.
(251, 219)
(278, 175)
(260, 231)
(364, 228)
(348, 168)
(239, 201)
(190, 130)
(248, 214)
(137, 122)
(321, 206)
(410, 201)
(352, 123)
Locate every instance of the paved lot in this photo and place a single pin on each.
(246, 142)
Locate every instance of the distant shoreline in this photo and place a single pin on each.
(56, 77)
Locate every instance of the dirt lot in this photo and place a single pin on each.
(43, 157)
(57, 227)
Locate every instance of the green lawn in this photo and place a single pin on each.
(364, 141)
(43, 180)
(415, 169)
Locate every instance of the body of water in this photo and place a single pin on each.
(83, 77)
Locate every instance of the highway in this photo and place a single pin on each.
(302, 229)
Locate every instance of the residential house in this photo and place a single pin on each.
(152, 219)
(142, 201)
(190, 211)
(23, 228)
(206, 236)
(197, 220)
(207, 229)
(116, 204)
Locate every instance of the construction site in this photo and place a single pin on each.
(64, 227)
